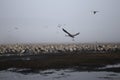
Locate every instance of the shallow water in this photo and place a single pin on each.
(60, 74)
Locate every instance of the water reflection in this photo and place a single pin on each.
(62, 74)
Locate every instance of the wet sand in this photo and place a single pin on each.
(60, 57)
(58, 74)
(59, 61)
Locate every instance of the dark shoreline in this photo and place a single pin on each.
(45, 56)
(48, 61)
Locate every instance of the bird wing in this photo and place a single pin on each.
(66, 31)
(76, 34)
(95, 12)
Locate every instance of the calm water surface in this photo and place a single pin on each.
(60, 74)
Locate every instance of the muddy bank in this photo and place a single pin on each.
(58, 55)
(59, 61)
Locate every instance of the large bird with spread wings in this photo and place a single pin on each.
(69, 34)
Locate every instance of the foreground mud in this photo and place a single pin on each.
(58, 55)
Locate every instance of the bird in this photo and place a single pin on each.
(69, 34)
(94, 12)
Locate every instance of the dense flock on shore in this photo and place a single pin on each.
(31, 49)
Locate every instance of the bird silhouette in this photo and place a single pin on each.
(94, 12)
(69, 34)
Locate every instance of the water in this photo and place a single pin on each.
(61, 74)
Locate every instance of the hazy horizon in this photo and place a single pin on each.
(36, 21)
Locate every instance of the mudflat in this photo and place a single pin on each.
(50, 56)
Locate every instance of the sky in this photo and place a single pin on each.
(36, 21)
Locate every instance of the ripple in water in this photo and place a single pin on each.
(59, 74)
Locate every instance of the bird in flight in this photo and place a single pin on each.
(94, 12)
(69, 34)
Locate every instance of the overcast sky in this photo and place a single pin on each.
(36, 21)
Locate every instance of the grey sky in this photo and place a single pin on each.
(37, 20)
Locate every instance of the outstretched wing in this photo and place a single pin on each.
(66, 31)
(76, 34)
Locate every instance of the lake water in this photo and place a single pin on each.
(61, 74)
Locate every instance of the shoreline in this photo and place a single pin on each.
(45, 61)
(58, 55)
(35, 49)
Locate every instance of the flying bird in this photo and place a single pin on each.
(94, 12)
(69, 34)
